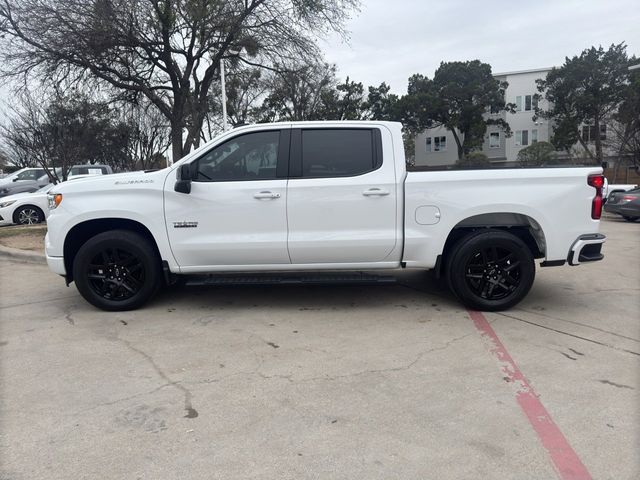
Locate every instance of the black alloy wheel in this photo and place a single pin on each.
(116, 274)
(117, 270)
(490, 269)
(493, 272)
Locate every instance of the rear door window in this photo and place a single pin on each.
(337, 152)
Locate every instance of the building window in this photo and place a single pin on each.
(428, 144)
(588, 133)
(494, 140)
(440, 144)
(535, 102)
(518, 103)
(527, 103)
(534, 136)
(522, 137)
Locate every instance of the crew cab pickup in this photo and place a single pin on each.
(309, 197)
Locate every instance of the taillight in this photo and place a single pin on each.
(628, 198)
(597, 182)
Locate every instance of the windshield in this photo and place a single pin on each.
(14, 174)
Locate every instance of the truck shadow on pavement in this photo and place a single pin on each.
(416, 288)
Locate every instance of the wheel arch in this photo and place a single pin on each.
(83, 231)
(519, 224)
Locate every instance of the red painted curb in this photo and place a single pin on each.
(565, 460)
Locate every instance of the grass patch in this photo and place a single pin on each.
(29, 230)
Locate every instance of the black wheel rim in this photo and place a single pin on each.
(28, 216)
(493, 273)
(116, 274)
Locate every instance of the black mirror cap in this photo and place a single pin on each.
(183, 182)
(184, 172)
(183, 186)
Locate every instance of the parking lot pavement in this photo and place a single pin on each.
(324, 382)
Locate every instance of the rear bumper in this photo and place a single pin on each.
(586, 248)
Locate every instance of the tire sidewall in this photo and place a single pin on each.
(131, 242)
(467, 247)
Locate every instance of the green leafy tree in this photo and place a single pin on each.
(298, 92)
(624, 131)
(586, 89)
(344, 102)
(458, 97)
(380, 104)
(537, 155)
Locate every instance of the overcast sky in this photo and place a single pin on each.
(393, 39)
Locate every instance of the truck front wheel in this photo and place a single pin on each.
(117, 270)
(490, 270)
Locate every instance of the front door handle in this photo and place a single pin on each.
(266, 194)
(375, 192)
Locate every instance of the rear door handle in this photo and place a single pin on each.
(375, 192)
(266, 194)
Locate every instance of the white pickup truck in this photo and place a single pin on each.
(319, 200)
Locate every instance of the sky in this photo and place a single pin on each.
(391, 40)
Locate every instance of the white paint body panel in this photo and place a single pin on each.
(325, 223)
(346, 219)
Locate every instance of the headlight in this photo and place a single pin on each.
(6, 204)
(54, 200)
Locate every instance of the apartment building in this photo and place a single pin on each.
(437, 146)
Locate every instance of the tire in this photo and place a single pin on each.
(28, 215)
(630, 219)
(117, 270)
(490, 270)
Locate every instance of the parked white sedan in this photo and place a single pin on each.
(25, 208)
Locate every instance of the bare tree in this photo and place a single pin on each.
(148, 136)
(167, 50)
(64, 130)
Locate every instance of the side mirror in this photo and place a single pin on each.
(183, 182)
(15, 179)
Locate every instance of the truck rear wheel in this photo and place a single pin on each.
(490, 270)
(117, 270)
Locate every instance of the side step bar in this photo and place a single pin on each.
(354, 278)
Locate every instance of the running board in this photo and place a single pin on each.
(356, 278)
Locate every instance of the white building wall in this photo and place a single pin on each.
(523, 84)
(447, 157)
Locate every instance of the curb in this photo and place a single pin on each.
(23, 256)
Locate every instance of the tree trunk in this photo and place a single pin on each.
(176, 142)
(596, 126)
(586, 147)
(458, 144)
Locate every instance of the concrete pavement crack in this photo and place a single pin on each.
(540, 314)
(568, 334)
(188, 407)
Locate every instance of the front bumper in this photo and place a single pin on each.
(586, 248)
(56, 265)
